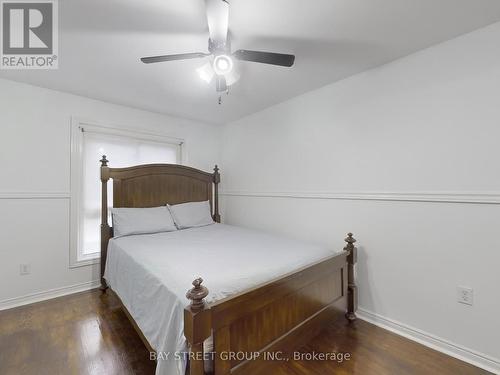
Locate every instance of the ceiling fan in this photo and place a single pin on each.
(219, 47)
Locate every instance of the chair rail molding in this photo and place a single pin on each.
(472, 197)
(35, 194)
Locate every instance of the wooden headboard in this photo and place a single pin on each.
(153, 185)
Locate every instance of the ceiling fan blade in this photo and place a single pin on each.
(180, 56)
(265, 57)
(220, 84)
(218, 20)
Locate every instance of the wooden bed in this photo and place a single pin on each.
(274, 317)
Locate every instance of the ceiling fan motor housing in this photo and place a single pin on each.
(219, 48)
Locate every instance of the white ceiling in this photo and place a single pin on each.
(101, 42)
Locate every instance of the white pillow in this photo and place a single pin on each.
(192, 214)
(127, 221)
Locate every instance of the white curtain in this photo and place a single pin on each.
(121, 151)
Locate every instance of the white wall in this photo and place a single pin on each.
(358, 155)
(35, 182)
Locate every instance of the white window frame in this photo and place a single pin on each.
(78, 126)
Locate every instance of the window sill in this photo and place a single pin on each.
(85, 262)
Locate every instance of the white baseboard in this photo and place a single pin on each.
(467, 355)
(47, 294)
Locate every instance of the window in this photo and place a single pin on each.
(122, 148)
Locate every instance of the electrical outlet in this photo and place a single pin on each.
(465, 295)
(24, 269)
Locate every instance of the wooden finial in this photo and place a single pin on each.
(350, 242)
(216, 174)
(197, 295)
(104, 161)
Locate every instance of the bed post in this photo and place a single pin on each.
(352, 289)
(105, 229)
(197, 326)
(216, 194)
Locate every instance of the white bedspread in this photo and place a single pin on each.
(152, 273)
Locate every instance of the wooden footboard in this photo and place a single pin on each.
(271, 320)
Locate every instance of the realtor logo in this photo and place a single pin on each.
(29, 37)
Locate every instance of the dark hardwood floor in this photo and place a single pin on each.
(87, 333)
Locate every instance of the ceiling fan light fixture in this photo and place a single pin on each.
(206, 72)
(223, 64)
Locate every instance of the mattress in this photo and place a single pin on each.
(152, 273)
